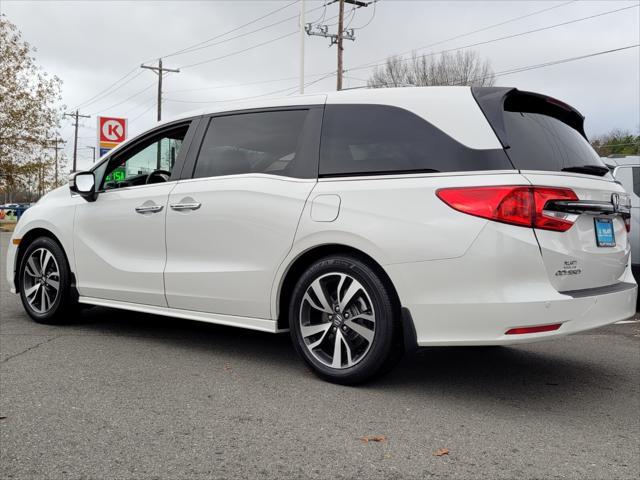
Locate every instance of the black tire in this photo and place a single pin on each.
(381, 350)
(64, 307)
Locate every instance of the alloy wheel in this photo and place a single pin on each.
(41, 280)
(337, 320)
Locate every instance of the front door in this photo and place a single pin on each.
(120, 249)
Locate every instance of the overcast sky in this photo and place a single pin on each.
(92, 44)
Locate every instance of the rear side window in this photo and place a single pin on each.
(262, 142)
(636, 181)
(377, 139)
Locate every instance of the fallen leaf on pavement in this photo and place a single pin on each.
(373, 438)
(441, 451)
(227, 367)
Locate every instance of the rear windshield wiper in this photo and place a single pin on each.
(588, 169)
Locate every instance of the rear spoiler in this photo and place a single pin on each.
(493, 101)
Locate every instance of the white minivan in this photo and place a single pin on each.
(365, 222)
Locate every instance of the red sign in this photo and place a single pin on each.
(112, 130)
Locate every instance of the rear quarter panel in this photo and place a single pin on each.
(394, 219)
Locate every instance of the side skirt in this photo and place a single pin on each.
(260, 324)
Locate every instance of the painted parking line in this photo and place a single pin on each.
(627, 321)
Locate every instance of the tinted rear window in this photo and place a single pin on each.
(377, 139)
(541, 142)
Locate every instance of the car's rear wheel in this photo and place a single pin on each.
(342, 320)
(45, 282)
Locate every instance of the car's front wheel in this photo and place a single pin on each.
(45, 282)
(342, 320)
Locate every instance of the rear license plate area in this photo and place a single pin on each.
(605, 237)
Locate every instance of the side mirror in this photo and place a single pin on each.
(83, 184)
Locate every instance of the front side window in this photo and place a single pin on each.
(261, 142)
(377, 139)
(150, 161)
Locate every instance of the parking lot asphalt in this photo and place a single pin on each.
(115, 394)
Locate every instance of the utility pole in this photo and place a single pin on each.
(56, 148)
(302, 35)
(339, 43)
(341, 35)
(77, 116)
(94, 152)
(159, 70)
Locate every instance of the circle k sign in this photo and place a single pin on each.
(112, 130)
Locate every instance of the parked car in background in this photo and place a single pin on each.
(363, 221)
(13, 211)
(626, 170)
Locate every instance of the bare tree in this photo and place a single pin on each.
(29, 115)
(461, 68)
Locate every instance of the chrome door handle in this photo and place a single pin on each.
(149, 208)
(185, 206)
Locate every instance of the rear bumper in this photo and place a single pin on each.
(486, 324)
(500, 284)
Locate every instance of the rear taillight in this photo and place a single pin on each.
(512, 204)
(627, 223)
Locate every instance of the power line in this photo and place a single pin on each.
(373, 15)
(125, 100)
(375, 4)
(557, 62)
(117, 84)
(279, 22)
(488, 27)
(93, 99)
(324, 14)
(532, 67)
(231, 99)
(232, 85)
(526, 68)
(138, 116)
(112, 87)
(294, 88)
(99, 94)
(198, 45)
(238, 51)
(352, 12)
(142, 104)
(536, 30)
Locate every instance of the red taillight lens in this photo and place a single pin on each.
(512, 204)
(627, 223)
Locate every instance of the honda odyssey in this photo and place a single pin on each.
(365, 222)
